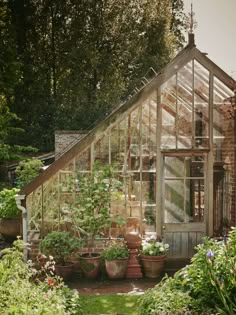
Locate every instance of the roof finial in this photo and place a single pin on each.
(191, 20)
(191, 24)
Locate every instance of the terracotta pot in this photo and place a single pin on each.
(10, 228)
(116, 268)
(64, 271)
(90, 266)
(153, 266)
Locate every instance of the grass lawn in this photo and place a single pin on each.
(111, 304)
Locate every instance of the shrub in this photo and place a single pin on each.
(8, 208)
(161, 300)
(27, 170)
(60, 245)
(206, 286)
(21, 296)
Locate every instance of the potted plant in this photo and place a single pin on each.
(153, 255)
(116, 257)
(10, 215)
(60, 245)
(91, 212)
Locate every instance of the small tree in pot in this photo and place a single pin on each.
(91, 211)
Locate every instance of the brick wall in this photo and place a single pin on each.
(228, 156)
(63, 139)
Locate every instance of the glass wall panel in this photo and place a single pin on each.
(184, 107)
(184, 189)
(224, 153)
(201, 105)
(82, 162)
(51, 205)
(101, 150)
(34, 207)
(185, 112)
(168, 114)
(174, 201)
(223, 122)
(149, 127)
(117, 147)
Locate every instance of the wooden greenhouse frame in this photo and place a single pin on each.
(174, 145)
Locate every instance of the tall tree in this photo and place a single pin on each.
(80, 57)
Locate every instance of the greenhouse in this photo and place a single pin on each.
(173, 145)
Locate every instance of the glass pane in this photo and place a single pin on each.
(118, 135)
(197, 166)
(168, 102)
(148, 188)
(133, 140)
(201, 105)
(198, 200)
(184, 106)
(101, 150)
(149, 110)
(174, 201)
(223, 122)
(174, 166)
(149, 215)
(82, 161)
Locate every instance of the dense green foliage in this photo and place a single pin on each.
(10, 77)
(28, 170)
(22, 296)
(206, 286)
(115, 251)
(59, 245)
(8, 208)
(113, 304)
(67, 62)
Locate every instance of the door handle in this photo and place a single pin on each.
(163, 227)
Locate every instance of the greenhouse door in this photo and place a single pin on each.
(183, 220)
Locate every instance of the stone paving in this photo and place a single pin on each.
(130, 286)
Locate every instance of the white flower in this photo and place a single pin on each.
(151, 252)
(162, 249)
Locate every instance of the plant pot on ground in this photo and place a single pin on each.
(153, 255)
(60, 245)
(116, 257)
(10, 215)
(91, 211)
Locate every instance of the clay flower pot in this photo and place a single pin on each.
(90, 265)
(153, 266)
(116, 268)
(64, 271)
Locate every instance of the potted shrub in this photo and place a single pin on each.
(60, 245)
(10, 215)
(91, 212)
(153, 255)
(116, 257)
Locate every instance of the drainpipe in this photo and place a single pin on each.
(19, 199)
